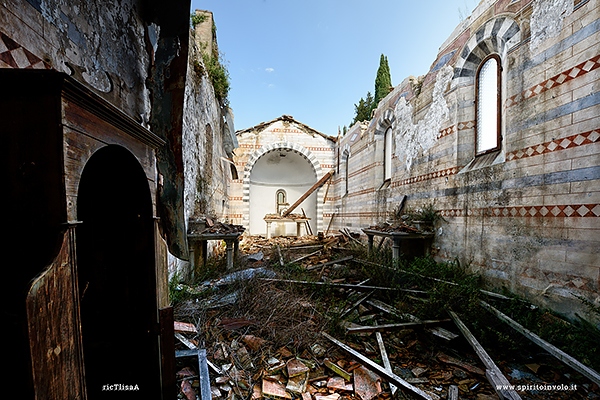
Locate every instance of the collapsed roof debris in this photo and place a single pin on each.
(315, 319)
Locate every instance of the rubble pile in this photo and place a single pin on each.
(300, 321)
(397, 227)
(208, 226)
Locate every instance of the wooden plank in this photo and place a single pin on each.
(361, 300)
(185, 341)
(167, 352)
(340, 285)
(329, 225)
(555, 351)
(386, 308)
(204, 377)
(498, 381)
(281, 263)
(391, 327)
(53, 322)
(381, 370)
(453, 392)
(308, 193)
(306, 222)
(306, 256)
(385, 359)
(184, 327)
(486, 292)
(317, 266)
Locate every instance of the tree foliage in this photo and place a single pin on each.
(363, 109)
(383, 81)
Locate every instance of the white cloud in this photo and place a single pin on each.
(269, 69)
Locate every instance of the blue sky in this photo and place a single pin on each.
(314, 59)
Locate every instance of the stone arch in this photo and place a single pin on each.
(498, 35)
(310, 157)
(385, 121)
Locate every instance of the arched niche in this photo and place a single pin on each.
(116, 274)
(287, 167)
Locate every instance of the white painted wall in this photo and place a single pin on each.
(280, 169)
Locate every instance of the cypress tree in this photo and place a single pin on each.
(383, 81)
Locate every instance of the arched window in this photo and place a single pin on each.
(346, 159)
(387, 156)
(281, 199)
(488, 104)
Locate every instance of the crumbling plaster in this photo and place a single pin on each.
(421, 136)
(105, 47)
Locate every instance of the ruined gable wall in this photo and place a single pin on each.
(526, 217)
(285, 134)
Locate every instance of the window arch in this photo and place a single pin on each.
(281, 200)
(346, 159)
(488, 95)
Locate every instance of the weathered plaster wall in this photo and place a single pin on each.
(103, 47)
(526, 217)
(207, 174)
(287, 135)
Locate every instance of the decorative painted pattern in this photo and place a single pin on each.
(458, 127)
(557, 80)
(13, 55)
(426, 177)
(285, 130)
(328, 149)
(576, 140)
(250, 146)
(559, 211)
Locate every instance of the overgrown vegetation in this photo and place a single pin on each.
(196, 19)
(293, 315)
(218, 75)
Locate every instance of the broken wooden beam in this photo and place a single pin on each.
(306, 256)
(498, 381)
(204, 378)
(453, 392)
(486, 292)
(325, 264)
(281, 263)
(385, 359)
(386, 308)
(391, 327)
(555, 351)
(340, 285)
(308, 193)
(380, 370)
(356, 304)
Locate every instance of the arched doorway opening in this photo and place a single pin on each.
(116, 276)
(278, 171)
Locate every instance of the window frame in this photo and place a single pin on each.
(346, 158)
(498, 60)
(387, 163)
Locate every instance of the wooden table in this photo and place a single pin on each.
(199, 245)
(397, 238)
(298, 221)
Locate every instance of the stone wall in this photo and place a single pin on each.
(526, 216)
(207, 144)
